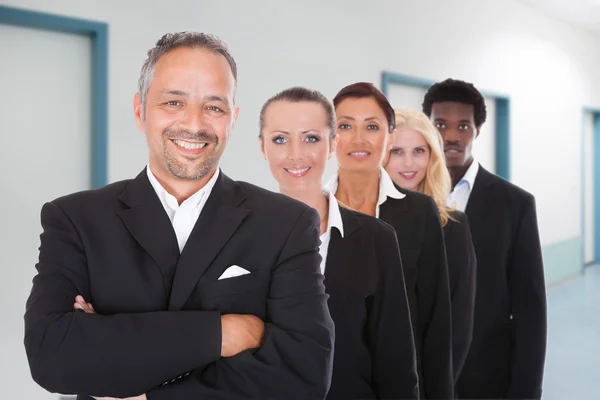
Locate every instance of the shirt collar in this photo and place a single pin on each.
(386, 187)
(471, 174)
(170, 201)
(335, 216)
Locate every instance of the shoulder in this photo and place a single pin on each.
(92, 197)
(415, 201)
(277, 205)
(371, 226)
(507, 190)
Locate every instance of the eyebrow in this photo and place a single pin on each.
(366, 119)
(303, 132)
(177, 92)
(174, 92)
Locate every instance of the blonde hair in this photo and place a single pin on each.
(437, 183)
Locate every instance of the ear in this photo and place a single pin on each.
(391, 140)
(137, 111)
(334, 143)
(261, 143)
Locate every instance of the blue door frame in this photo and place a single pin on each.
(502, 115)
(98, 33)
(595, 112)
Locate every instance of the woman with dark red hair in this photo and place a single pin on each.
(366, 129)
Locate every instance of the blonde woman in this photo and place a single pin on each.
(416, 162)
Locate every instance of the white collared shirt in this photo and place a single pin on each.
(386, 188)
(459, 198)
(184, 216)
(334, 221)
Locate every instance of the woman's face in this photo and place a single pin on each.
(409, 157)
(364, 134)
(296, 143)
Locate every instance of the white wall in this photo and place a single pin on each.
(46, 137)
(547, 67)
(588, 151)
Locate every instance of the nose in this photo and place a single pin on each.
(408, 161)
(194, 119)
(295, 153)
(451, 135)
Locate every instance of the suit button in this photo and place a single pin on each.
(511, 316)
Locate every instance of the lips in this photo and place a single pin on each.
(452, 149)
(359, 153)
(297, 171)
(184, 144)
(408, 175)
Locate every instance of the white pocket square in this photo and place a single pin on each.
(232, 272)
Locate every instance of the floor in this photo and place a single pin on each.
(573, 352)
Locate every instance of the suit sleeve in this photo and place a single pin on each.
(528, 300)
(434, 312)
(390, 329)
(462, 262)
(295, 359)
(76, 353)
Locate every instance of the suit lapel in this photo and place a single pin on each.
(339, 252)
(217, 223)
(149, 224)
(479, 201)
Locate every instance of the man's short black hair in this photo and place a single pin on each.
(456, 91)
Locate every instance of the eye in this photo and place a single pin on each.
(419, 150)
(464, 127)
(312, 139)
(396, 151)
(440, 125)
(373, 127)
(214, 108)
(344, 126)
(279, 140)
(174, 103)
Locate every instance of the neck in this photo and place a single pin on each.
(358, 190)
(457, 173)
(181, 189)
(313, 198)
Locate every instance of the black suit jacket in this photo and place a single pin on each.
(462, 271)
(374, 353)
(507, 354)
(159, 310)
(416, 221)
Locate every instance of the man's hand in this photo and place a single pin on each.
(239, 333)
(140, 397)
(81, 304)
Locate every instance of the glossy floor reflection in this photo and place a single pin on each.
(573, 355)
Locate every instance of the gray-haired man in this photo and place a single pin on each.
(202, 287)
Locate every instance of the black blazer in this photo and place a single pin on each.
(159, 311)
(462, 270)
(374, 353)
(507, 354)
(417, 223)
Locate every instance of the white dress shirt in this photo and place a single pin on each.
(386, 188)
(184, 216)
(459, 198)
(334, 221)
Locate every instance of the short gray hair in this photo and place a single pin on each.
(172, 41)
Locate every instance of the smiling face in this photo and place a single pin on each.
(364, 134)
(189, 114)
(456, 123)
(409, 158)
(296, 143)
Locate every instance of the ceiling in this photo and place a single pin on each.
(582, 13)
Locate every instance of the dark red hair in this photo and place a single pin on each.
(365, 89)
